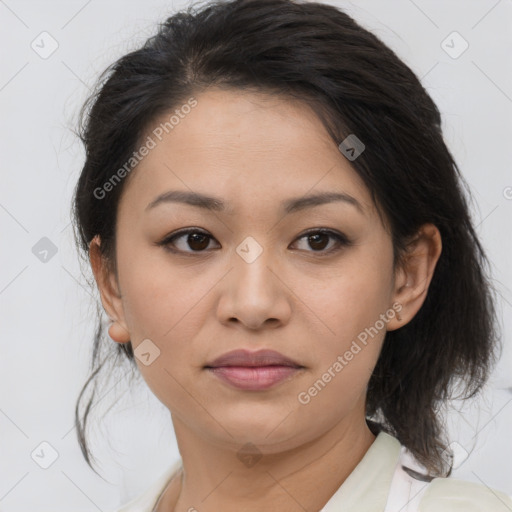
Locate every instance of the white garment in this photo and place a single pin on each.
(379, 484)
(406, 492)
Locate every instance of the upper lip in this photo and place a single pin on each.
(247, 358)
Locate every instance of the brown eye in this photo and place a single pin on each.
(318, 241)
(198, 241)
(187, 241)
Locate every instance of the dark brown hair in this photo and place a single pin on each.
(318, 54)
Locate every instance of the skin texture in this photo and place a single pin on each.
(254, 151)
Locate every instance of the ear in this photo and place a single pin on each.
(414, 275)
(108, 287)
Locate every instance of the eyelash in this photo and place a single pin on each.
(340, 238)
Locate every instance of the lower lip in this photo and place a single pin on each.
(253, 378)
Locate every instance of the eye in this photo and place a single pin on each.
(195, 239)
(318, 239)
(198, 241)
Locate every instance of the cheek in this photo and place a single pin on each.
(156, 294)
(164, 306)
(352, 299)
(347, 319)
(348, 349)
(167, 306)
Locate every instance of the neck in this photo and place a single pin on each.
(303, 478)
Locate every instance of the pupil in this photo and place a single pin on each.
(313, 239)
(195, 238)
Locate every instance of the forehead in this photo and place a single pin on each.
(246, 147)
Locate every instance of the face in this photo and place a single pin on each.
(308, 281)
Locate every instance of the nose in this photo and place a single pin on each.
(253, 294)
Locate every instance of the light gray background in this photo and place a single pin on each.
(47, 324)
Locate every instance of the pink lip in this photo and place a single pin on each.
(262, 357)
(253, 378)
(253, 370)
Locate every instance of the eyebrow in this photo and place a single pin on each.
(215, 204)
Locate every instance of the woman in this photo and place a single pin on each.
(280, 237)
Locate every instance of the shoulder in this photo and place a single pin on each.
(412, 489)
(146, 501)
(453, 495)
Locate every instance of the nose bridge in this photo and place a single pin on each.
(253, 293)
(252, 261)
(250, 250)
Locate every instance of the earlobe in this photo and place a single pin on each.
(110, 297)
(415, 274)
(118, 333)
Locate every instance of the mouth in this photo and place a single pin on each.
(246, 358)
(254, 371)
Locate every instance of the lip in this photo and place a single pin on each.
(263, 357)
(253, 371)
